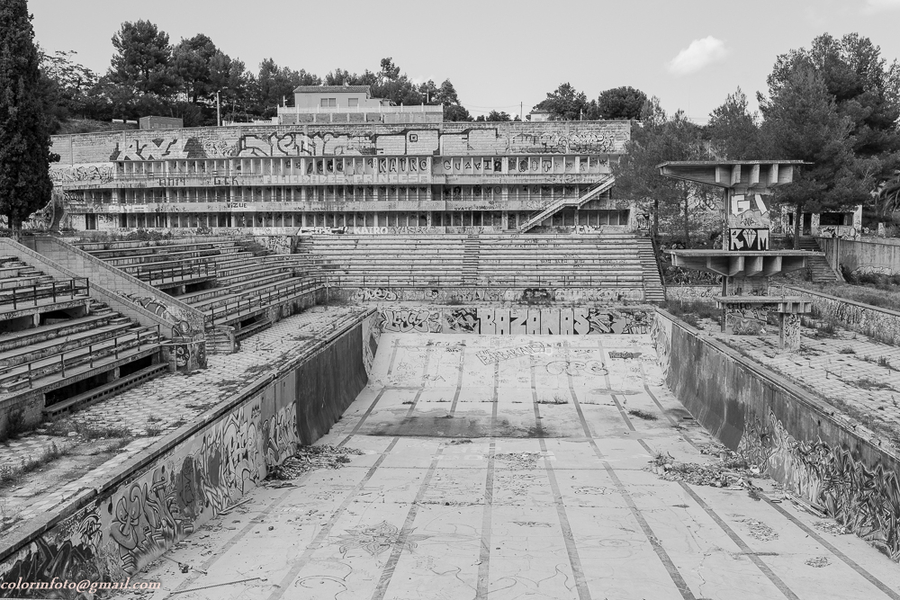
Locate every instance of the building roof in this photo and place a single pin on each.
(332, 89)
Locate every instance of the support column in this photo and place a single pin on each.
(789, 332)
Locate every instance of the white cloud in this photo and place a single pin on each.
(877, 6)
(699, 54)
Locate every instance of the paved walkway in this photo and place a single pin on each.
(516, 467)
(855, 374)
(155, 408)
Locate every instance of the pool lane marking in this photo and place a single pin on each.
(674, 574)
(283, 585)
(484, 556)
(568, 537)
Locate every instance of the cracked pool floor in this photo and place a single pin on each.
(517, 467)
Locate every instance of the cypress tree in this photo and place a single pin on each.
(25, 156)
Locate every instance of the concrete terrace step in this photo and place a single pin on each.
(262, 292)
(21, 270)
(149, 261)
(239, 308)
(37, 350)
(37, 279)
(105, 391)
(126, 244)
(17, 377)
(26, 337)
(246, 283)
(149, 250)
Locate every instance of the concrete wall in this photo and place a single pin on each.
(515, 321)
(153, 501)
(92, 152)
(690, 293)
(879, 323)
(781, 428)
(556, 296)
(864, 256)
(181, 318)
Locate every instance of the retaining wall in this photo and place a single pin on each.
(810, 450)
(152, 501)
(879, 323)
(863, 256)
(513, 321)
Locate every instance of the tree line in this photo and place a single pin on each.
(835, 105)
(148, 75)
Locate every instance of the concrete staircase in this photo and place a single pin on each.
(654, 290)
(819, 269)
(471, 257)
(541, 216)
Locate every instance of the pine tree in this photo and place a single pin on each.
(25, 157)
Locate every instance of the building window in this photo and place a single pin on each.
(353, 102)
(329, 102)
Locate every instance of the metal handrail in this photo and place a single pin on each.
(582, 281)
(57, 289)
(139, 337)
(256, 299)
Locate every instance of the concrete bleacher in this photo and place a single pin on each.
(57, 344)
(232, 281)
(610, 260)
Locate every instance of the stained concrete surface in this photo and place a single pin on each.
(517, 475)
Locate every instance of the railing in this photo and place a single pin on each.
(412, 108)
(260, 299)
(57, 290)
(579, 201)
(131, 340)
(522, 281)
(160, 274)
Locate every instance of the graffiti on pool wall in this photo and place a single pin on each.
(147, 519)
(864, 499)
(374, 295)
(411, 321)
(119, 534)
(513, 321)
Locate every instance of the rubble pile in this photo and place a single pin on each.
(729, 471)
(519, 460)
(309, 458)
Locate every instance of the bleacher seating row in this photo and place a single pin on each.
(232, 281)
(53, 336)
(610, 260)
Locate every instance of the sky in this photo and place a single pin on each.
(500, 55)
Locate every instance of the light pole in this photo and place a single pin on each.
(218, 109)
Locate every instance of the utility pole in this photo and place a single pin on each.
(218, 109)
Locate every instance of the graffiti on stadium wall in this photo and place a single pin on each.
(515, 321)
(448, 139)
(72, 175)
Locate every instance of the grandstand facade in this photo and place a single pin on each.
(359, 176)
